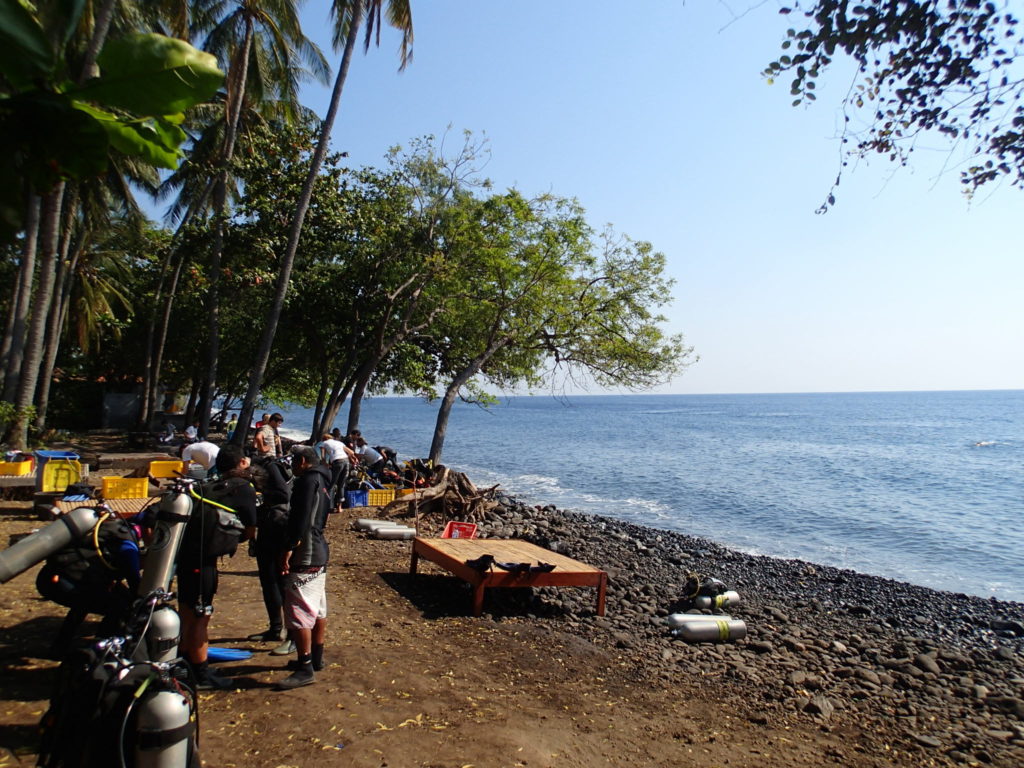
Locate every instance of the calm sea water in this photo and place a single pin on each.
(925, 487)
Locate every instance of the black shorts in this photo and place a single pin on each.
(196, 588)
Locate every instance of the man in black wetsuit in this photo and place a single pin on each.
(304, 565)
(197, 568)
(274, 480)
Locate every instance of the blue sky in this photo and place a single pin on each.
(655, 116)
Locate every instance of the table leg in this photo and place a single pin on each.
(415, 560)
(602, 588)
(478, 599)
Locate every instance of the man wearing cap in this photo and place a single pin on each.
(304, 566)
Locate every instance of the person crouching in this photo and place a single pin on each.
(304, 566)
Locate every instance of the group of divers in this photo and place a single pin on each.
(277, 500)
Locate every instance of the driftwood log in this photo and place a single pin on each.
(452, 497)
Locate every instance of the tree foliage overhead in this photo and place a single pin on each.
(943, 66)
(56, 125)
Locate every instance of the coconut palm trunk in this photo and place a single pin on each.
(236, 96)
(288, 261)
(17, 433)
(14, 339)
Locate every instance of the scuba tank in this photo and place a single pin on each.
(164, 730)
(710, 629)
(728, 598)
(40, 545)
(676, 620)
(164, 632)
(394, 532)
(158, 566)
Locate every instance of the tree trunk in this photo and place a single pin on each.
(157, 338)
(146, 407)
(101, 26)
(334, 403)
(14, 341)
(233, 111)
(161, 336)
(190, 407)
(61, 297)
(318, 412)
(284, 274)
(17, 433)
(444, 411)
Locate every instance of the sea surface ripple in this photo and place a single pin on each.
(924, 487)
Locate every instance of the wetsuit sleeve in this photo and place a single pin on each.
(277, 490)
(300, 518)
(244, 504)
(129, 562)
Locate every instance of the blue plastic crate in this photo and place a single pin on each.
(357, 498)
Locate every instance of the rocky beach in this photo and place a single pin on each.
(838, 668)
(942, 672)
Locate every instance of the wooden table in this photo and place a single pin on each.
(452, 554)
(18, 481)
(31, 481)
(123, 507)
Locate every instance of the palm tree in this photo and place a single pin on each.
(259, 40)
(267, 57)
(349, 16)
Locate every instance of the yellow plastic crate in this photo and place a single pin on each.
(379, 497)
(125, 488)
(17, 468)
(406, 491)
(161, 469)
(58, 474)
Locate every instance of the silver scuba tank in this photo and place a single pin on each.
(163, 732)
(163, 634)
(676, 620)
(43, 543)
(394, 532)
(367, 524)
(158, 566)
(718, 630)
(723, 600)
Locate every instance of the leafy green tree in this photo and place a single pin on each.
(530, 297)
(922, 66)
(54, 131)
(56, 128)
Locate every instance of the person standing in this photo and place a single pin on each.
(197, 568)
(274, 480)
(304, 566)
(268, 440)
(232, 425)
(339, 458)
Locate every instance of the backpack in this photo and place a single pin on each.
(82, 560)
(94, 716)
(212, 531)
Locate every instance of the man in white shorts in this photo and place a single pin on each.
(304, 566)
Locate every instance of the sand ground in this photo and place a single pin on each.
(412, 684)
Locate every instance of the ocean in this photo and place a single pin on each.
(923, 487)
